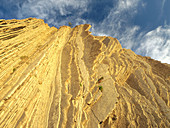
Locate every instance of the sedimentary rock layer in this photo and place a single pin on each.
(66, 77)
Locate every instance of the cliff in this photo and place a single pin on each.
(66, 77)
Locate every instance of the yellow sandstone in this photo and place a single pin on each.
(68, 78)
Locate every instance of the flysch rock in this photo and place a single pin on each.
(68, 78)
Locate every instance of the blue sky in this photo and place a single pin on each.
(140, 25)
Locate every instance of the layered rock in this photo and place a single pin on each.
(67, 77)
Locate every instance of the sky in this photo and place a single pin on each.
(140, 25)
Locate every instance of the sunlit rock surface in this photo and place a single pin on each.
(68, 78)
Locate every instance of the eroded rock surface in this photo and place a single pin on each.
(66, 77)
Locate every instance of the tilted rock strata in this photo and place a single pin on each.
(50, 77)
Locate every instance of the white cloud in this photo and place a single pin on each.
(163, 3)
(127, 4)
(156, 44)
(51, 9)
(79, 21)
(118, 24)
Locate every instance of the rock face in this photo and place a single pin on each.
(66, 78)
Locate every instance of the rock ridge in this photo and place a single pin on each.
(66, 77)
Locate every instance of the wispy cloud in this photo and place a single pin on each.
(156, 44)
(53, 11)
(127, 5)
(162, 9)
(118, 22)
(163, 3)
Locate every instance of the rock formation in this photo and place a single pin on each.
(68, 78)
